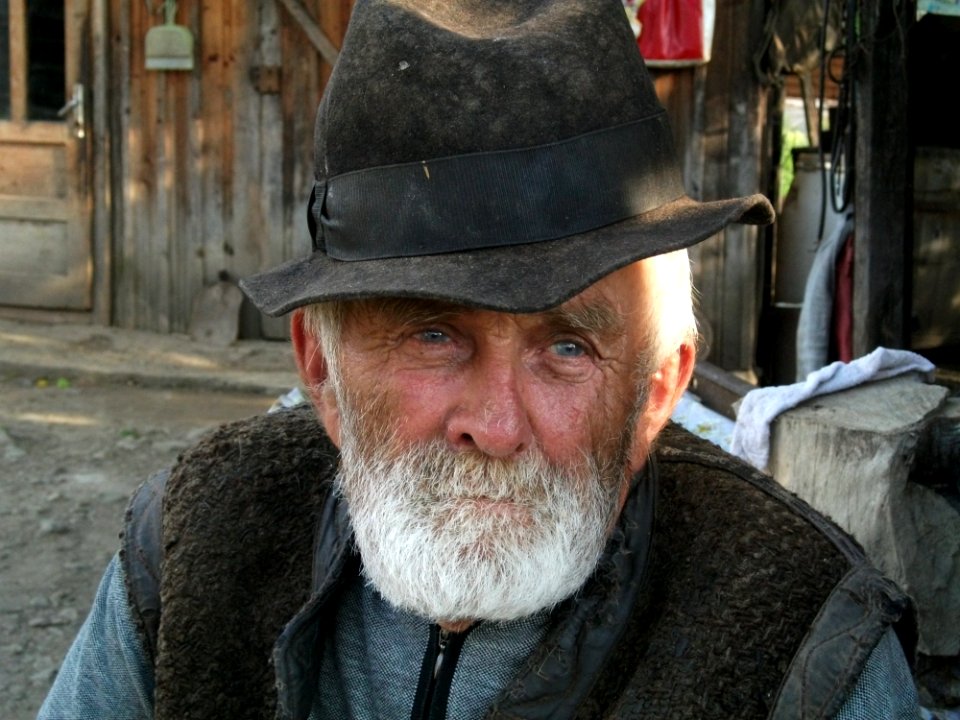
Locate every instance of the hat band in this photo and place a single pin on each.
(493, 199)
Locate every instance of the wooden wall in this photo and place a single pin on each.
(723, 133)
(210, 169)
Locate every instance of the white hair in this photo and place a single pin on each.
(668, 283)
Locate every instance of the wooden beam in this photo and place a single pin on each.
(100, 170)
(313, 32)
(883, 180)
(43, 209)
(18, 60)
(718, 389)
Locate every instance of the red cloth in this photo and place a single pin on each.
(671, 30)
(843, 302)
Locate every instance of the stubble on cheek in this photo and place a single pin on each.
(371, 419)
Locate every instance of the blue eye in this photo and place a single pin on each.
(433, 336)
(568, 349)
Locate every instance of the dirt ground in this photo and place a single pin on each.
(71, 452)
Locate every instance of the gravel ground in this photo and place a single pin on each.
(71, 452)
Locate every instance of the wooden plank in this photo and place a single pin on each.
(316, 36)
(216, 139)
(718, 389)
(49, 291)
(33, 170)
(54, 291)
(133, 181)
(48, 317)
(123, 117)
(149, 241)
(75, 13)
(17, 20)
(38, 252)
(188, 256)
(880, 291)
(272, 243)
(178, 205)
(935, 319)
(16, 207)
(936, 275)
(100, 170)
(164, 210)
(78, 157)
(247, 229)
(36, 132)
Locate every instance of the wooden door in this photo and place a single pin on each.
(45, 254)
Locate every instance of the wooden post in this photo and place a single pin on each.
(100, 172)
(881, 300)
(17, 32)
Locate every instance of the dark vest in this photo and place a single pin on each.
(719, 594)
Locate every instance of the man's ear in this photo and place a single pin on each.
(313, 374)
(667, 385)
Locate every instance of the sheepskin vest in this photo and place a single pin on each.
(719, 594)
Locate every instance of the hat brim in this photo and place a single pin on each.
(517, 279)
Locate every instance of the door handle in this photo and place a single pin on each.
(75, 107)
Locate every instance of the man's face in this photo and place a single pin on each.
(485, 455)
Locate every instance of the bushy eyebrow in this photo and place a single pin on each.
(596, 318)
(404, 312)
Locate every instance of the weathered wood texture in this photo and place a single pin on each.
(17, 20)
(101, 199)
(719, 116)
(857, 456)
(936, 248)
(210, 168)
(882, 280)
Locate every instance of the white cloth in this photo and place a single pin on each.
(751, 434)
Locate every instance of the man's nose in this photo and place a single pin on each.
(492, 416)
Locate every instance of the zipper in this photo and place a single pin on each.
(436, 673)
(442, 642)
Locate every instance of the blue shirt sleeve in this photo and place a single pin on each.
(106, 674)
(885, 689)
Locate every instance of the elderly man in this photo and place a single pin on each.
(485, 513)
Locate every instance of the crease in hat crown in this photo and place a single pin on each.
(472, 129)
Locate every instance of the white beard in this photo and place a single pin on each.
(460, 536)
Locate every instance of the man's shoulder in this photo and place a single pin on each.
(730, 519)
(278, 443)
(263, 477)
(772, 567)
(241, 475)
(703, 472)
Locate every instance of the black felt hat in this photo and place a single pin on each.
(503, 154)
